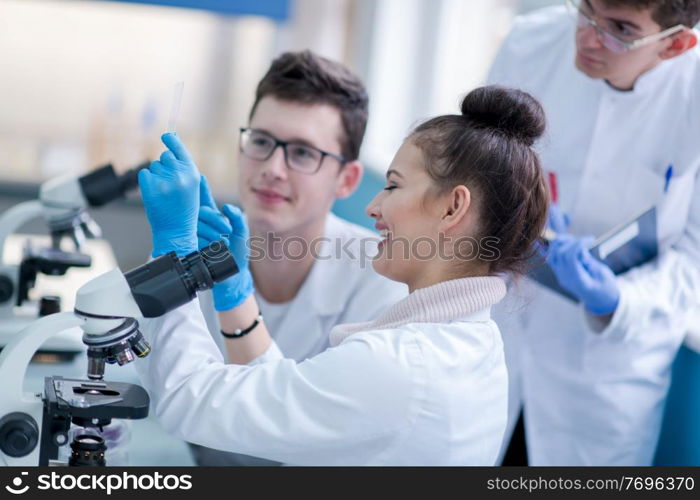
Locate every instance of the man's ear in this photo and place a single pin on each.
(349, 178)
(456, 207)
(681, 42)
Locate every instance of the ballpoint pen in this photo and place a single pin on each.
(668, 176)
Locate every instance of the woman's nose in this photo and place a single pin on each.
(372, 209)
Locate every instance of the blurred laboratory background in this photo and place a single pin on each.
(90, 82)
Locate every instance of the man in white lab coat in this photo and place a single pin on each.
(620, 83)
(311, 269)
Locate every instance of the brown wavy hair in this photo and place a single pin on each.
(488, 148)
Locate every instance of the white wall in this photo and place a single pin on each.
(423, 55)
(89, 82)
(86, 82)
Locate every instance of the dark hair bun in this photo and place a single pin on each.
(510, 111)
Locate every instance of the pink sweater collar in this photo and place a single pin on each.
(441, 303)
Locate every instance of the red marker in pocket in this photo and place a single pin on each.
(553, 193)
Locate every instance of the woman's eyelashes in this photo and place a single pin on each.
(390, 187)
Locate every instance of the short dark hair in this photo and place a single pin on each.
(307, 78)
(488, 148)
(666, 13)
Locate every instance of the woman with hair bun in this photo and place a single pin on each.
(426, 382)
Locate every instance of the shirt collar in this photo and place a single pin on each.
(649, 81)
(441, 303)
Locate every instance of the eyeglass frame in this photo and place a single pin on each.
(284, 145)
(628, 46)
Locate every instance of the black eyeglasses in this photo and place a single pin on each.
(301, 157)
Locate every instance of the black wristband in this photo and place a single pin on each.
(240, 333)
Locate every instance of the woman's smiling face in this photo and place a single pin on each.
(406, 218)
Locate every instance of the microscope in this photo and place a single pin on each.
(63, 204)
(107, 310)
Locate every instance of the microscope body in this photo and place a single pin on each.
(34, 425)
(63, 204)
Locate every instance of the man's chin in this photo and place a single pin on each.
(263, 222)
(590, 72)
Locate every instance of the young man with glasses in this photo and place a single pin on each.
(620, 83)
(311, 269)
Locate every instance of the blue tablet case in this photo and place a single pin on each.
(626, 246)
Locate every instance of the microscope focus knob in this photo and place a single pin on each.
(49, 304)
(19, 434)
(7, 288)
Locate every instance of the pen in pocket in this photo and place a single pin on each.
(669, 175)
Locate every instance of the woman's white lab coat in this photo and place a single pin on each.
(341, 287)
(424, 384)
(594, 394)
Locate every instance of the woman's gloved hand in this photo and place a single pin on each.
(229, 226)
(170, 191)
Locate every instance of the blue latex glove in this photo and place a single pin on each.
(229, 226)
(557, 223)
(170, 191)
(557, 220)
(582, 274)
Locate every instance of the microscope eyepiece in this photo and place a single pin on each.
(168, 281)
(129, 180)
(103, 185)
(218, 260)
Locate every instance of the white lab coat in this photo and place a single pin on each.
(409, 393)
(342, 287)
(594, 395)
